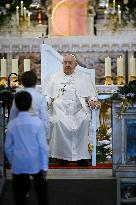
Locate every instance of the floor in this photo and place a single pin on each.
(72, 187)
(75, 173)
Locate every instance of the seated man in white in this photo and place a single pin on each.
(72, 94)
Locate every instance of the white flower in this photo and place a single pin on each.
(103, 142)
(109, 132)
(108, 146)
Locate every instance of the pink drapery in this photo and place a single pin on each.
(69, 17)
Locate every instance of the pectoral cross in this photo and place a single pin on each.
(63, 89)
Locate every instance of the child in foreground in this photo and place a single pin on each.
(27, 150)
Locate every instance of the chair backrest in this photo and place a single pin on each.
(51, 61)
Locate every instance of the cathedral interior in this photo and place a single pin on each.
(34, 35)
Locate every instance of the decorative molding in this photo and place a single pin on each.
(74, 44)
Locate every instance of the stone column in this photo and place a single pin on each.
(49, 25)
(90, 24)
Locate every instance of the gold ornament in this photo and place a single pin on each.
(90, 147)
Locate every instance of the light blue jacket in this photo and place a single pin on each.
(26, 145)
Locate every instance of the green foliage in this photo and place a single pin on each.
(6, 95)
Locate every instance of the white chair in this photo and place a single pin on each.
(51, 61)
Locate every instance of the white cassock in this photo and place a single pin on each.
(69, 115)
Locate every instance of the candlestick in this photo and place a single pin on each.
(132, 66)
(120, 66)
(21, 10)
(3, 68)
(26, 64)
(15, 66)
(108, 66)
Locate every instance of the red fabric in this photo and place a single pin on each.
(74, 166)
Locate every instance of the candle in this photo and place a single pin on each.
(108, 66)
(26, 64)
(118, 8)
(114, 4)
(132, 66)
(119, 17)
(17, 18)
(3, 67)
(107, 7)
(25, 12)
(15, 66)
(17, 15)
(105, 16)
(120, 66)
(21, 10)
(28, 19)
(17, 9)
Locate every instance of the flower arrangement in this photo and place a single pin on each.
(3, 83)
(104, 144)
(126, 95)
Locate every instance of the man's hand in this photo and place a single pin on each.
(93, 103)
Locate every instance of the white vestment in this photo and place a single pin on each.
(70, 117)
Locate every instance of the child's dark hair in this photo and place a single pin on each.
(23, 100)
(29, 79)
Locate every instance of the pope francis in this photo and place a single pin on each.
(71, 97)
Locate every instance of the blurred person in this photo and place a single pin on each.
(39, 104)
(26, 149)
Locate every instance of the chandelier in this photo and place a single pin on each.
(112, 16)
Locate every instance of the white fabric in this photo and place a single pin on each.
(70, 117)
(39, 106)
(51, 62)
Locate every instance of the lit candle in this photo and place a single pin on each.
(25, 12)
(118, 8)
(108, 66)
(17, 9)
(120, 66)
(105, 15)
(119, 17)
(15, 66)
(21, 10)
(3, 67)
(26, 64)
(132, 66)
(107, 7)
(17, 15)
